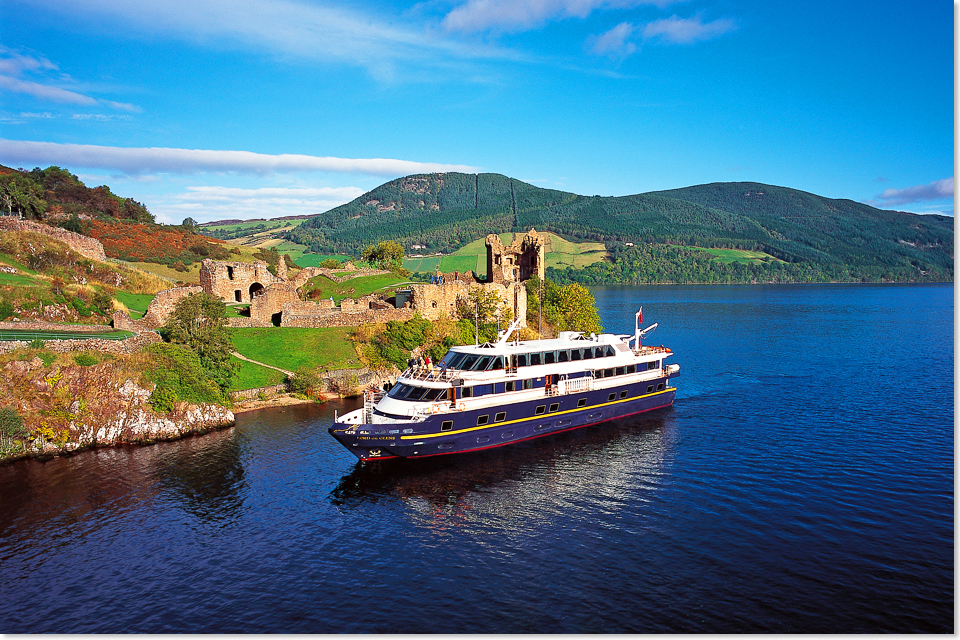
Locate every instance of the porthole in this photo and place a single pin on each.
(650, 389)
(500, 417)
(581, 402)
(554, 406)
(660, 387)
(446, 425)
(611, 397)
(482, 420)
(623, 394)
(540, 410)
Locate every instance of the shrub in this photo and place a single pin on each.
(304, 381)
(37, 343)
(85, 359)
(180, 376)
(6, 309)
(11, 424)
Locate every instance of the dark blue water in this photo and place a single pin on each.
(803, 482)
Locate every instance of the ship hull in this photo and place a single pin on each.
(506, 424)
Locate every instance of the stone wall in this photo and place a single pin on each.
(87, 247)
(130, 345)
(271, 301)
(435, 301)
(160, 308)
(312, 316)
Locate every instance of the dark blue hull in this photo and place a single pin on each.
(507, 424)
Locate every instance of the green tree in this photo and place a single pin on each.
(577, 309)
(199, 322)
(387, 255)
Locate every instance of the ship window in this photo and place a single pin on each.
(536, 358)
(446, 425)
(599, 352)
(608, 373)
(650, 389)
(631, 368)
(482, 364)
(653, 365)
(500, 417)
(549, 357)
(511, 386)
(453, 359)
(540, 410)
(522, 360)
(612, 396)
(554, 406)
(498, 387)
(467, 392)
(620, 371)
(528, 384)
(660, 387)
(588, 353)
(575, 354)
(469, 361)
(563, 355)
(497, 363)
(435, 394)
(482, 420)
(482, 390)
(623, 394)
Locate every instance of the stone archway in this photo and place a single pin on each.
(255, 289)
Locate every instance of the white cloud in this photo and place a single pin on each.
(136, 161)
(209, 203)
(614, 42)
(937, 190)
(676, 30)
(521, 15)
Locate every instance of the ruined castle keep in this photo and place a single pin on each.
(236, 281)
(519, 261)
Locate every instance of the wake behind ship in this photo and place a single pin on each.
(495, 394)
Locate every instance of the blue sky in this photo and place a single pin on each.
(216, 109)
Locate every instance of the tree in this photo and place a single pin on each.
(578, 309)
(386, 255)
(199, 322)
(188, 223)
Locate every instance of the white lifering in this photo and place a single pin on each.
(435, 409)
(462, 406)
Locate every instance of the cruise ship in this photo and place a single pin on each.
(504, 392)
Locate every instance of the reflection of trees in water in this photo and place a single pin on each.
(519, 481)
(205, 476)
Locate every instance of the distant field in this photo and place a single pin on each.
(314, 259)
(292, 348)
(729, 256)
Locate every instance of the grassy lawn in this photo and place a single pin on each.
(425, 265)
(238, 310)
(252, 376)
(191, 276)
(137, 303)
(292, 348)
(353, 288)
(463, 263)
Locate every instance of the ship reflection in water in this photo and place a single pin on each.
(495, 490)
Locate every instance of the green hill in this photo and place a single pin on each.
(836, 239)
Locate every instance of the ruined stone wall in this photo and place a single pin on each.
(127, 346)
(271, 300)
(160, 308)
(235, 281)
(87, 247)
(309, 315)
(435, 301)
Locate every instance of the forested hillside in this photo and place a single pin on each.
(830, 239)
(55, 192)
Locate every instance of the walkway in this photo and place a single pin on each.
(268, 366)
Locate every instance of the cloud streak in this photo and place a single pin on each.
(511, 16)
(937, 190)
(14, 66)
(294, 30)
(621, 41)
(136, 161)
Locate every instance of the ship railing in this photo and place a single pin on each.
(576, 385)
(370, 400)
(645, 350)
(427, 373)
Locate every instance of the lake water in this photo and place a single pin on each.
(802, 482)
